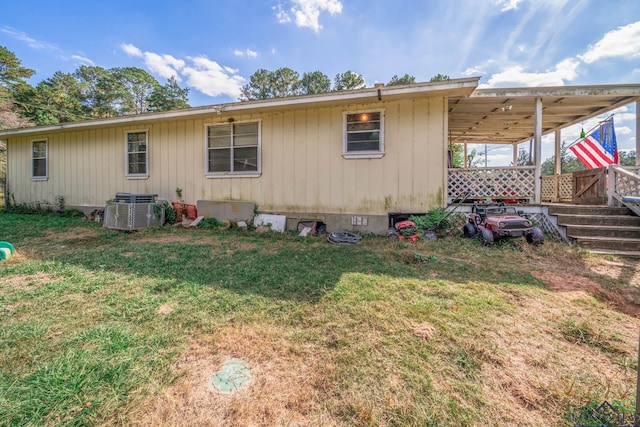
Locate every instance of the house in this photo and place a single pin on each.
(346, 158)
(330, 157)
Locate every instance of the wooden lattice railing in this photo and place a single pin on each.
(504, 183)
(557, 188)
(623, 187)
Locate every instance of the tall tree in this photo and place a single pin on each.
(259, 86)
(11, 70)
(101, 92)
(348, 80)
(627, 158)
(314, 82)
(439, 78)
(404, 80)
(284, 82)
(135, 87)
(170, 96)
(12, 81)
(55, 100)
(265, 84)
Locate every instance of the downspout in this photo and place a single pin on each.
(537, 145)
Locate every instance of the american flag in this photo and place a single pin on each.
(599, 148)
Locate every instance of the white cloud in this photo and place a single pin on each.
(507, 5)
(473, 71)
(22, 36)
(623, 130)
(245, 53)
(164, 65)
(622, 42)
(306, 13)
(201, 73)
(82, 59)
(515, 76)
(130, 49)
(210, 78)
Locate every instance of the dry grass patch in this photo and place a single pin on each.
(24, 282)
(578, 287)
(75, 233)
(287, 380)
(536, 370)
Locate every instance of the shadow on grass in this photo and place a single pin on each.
(273, 266)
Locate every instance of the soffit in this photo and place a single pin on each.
(506, 116)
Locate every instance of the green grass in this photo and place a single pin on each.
(83, 340)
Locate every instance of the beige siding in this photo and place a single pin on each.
(302, 165)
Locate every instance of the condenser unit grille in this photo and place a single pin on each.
(133, 216)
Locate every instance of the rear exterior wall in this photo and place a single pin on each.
(303, 169)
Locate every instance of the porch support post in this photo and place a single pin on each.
(537, 146)
(465, 163)
(558, 163)
(637, 131)
(515, 153)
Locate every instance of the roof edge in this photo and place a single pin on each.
(456, 87)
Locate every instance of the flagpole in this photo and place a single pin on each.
(599, 126)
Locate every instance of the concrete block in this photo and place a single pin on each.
(232, 210)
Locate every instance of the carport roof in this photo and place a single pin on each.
(506, 116)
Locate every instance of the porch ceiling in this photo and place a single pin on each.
(506, 116)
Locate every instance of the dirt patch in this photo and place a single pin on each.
(164, 309)
(579, 287)
(531, 376)
(284, 389)
(424, 330)
(26, 282)
(171, 238)
(75, 233)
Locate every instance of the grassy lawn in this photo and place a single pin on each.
(99, 327)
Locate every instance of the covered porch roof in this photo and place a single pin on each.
(507, 116)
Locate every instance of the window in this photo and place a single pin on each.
(233, 149)
(363, 134)
(137, 154)
(39, 159)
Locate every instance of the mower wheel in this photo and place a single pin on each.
(486, 237)
(536, 237)
(469, 230)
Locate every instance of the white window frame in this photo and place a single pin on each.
(232, 174)
(126, 155)
(46, 160)
(371, 154)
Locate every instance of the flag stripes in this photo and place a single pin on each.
(591, 153)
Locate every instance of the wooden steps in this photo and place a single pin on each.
(601, 229)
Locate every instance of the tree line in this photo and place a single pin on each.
(89, 92)
(265, 84)
(92, 92)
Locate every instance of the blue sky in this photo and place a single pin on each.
(213, 46)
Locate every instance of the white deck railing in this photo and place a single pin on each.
(623, 187)
(502, 183)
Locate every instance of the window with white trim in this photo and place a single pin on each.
(39, 159)
(233, 149)
(363, 134)
(137, 154)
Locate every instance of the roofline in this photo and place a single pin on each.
(595, 90)
(454, 87)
